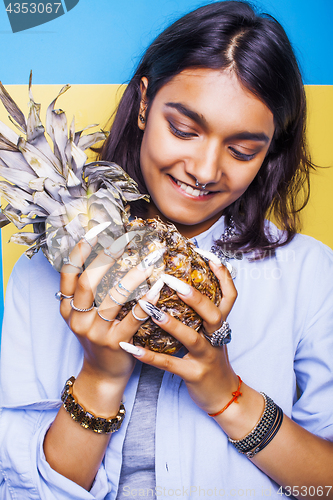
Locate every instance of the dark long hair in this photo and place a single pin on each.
(231, 35)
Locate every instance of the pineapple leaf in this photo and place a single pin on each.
(38, 162)
(49, 114)
(86, 141)
(16, 115)
(24, 238)
(35, 127)
(15, 160)
(52, 187)
(3, 220)
(79, 159)
(21, 179)
(6, 144)
(59, 125)
(18, 198)
(8, 133)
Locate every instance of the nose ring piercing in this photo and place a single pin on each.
(197, 184)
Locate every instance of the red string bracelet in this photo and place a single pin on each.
(234, 398)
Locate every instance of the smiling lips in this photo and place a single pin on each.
(190, 190)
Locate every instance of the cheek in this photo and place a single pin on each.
(242, 180)
(153, 151)
(160, 149)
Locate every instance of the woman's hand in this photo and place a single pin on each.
(97, 329)
(205, 369)
(70, 449)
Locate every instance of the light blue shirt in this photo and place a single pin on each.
(282, 331)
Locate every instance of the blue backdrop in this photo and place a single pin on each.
(100, 41)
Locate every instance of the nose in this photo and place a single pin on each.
(205, 165)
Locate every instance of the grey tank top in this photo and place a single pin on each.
(137, 477)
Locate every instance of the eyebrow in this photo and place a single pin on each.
(200, 120)
(193, 115)
(251, 136)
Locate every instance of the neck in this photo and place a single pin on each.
(187, 230)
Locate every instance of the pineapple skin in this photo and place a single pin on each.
(180, 260)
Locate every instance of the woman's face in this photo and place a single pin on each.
(203, 125)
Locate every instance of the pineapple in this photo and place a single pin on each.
(180, 260)
(63, 196)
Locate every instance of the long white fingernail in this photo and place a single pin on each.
(155, 289)
(208, 255)
(151, 259)
(176, 284)
(227, 265)
(94, 231)
(132, 349)
(152, 310)
(120, 243)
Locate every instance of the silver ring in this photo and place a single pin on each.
(220, 337)
(137, 317)
(82, 310)
(67, 262)
(119, 287)
(114, 300)
(102, 317)
(87, 241)
(60, 296)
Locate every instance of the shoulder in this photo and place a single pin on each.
(32, 273)
(38, 350)
(302, 247)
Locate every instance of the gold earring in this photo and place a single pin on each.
(142, 118)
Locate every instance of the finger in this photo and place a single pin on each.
(87, 284)
(129, 325)
(172, 364)
(74, 263)
(120, 293)
(205, 307)
(222, 272)
(229, 291)
(69, 274)
(190, 338)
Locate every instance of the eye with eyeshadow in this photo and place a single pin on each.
(241, 156)
(180, 133)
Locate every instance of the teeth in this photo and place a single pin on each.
(189, 190)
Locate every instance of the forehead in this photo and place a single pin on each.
(219, 97)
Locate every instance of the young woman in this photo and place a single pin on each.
(212, 127)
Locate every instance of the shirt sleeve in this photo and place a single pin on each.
(314, 355)
(38, 353)
(26, 473)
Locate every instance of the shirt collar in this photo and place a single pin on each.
(206, 239)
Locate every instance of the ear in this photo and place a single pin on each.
(143, 103)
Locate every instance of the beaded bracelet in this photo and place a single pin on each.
(263, 433)
(86, 419)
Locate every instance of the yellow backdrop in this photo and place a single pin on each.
(93, 104)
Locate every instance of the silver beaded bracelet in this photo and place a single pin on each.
(263, 433)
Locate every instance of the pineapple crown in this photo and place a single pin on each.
(53, 188)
